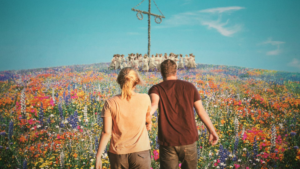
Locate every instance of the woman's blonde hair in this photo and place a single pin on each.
(128, 78)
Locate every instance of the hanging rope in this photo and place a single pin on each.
(139, 4)
(158, 9)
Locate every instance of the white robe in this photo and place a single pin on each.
(181, 63)
(152, 64)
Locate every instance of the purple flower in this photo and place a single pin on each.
(2, 133)
(293, 133)
(296, 147)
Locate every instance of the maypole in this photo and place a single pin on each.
(158, 19)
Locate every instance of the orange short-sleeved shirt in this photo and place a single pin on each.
(129, 133)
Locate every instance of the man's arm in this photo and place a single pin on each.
(213, 137)
(154, 102)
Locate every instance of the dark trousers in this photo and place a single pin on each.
(136, 160)
(171, 155)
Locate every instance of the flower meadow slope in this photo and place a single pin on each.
(50, 118)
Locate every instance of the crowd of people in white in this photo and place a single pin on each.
(145, 63)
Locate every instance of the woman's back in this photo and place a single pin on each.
(129, 133)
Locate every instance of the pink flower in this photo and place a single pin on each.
(236, 165)
(218, 160)
(215, 164)
(247, 167)
(78, 127)
(51, 102)
(179, 165)
(156, 155)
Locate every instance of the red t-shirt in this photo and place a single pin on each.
(176, 120)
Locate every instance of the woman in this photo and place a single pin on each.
(145, 63)
(126, 118)
(152, 64)
(181, 62)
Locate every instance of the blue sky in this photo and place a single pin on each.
(46, 33)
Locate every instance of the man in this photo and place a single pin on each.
(177, 131)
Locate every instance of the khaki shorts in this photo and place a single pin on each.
(136, 160)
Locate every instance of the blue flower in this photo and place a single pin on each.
(2, 133)
(293, 133)
(10, 129)
(24, 164)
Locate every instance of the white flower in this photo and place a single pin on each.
(82, 139)
(56, 126)
(51, 115)
(257, 160)
(38, 126)
(230, 155)
(66, 121)
(81, 127)
(239, 160)
(92, 160)
(244, 149)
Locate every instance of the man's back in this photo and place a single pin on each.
(176, 120)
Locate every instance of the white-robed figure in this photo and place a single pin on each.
(176, 60)
(118, 61)
(145, 63)
(152, 64)
(171, 56)
(165, 57)
(125, 62)
(186, 61)
(157, 62)
(113, 63)
(140, 58)
(181, 62)
(135, 63)
(192, 61)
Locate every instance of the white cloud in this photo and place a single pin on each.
(274, 43)
(220, 27)
(295, 63)
(270, 41)
(205, 18)
(274, 52)
(222, 9)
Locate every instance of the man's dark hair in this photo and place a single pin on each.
(168, 68)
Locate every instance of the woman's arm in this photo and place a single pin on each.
(105, 136)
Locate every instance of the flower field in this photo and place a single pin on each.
(50, 117)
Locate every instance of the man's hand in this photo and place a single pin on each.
(213, 138)
(149, 126)
(99, 163)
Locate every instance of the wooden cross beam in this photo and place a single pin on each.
(147, 13)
